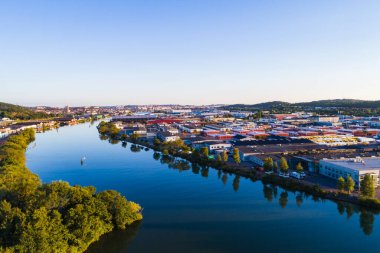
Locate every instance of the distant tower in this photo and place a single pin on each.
(66, 109)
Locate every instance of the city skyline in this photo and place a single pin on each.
(194, 52)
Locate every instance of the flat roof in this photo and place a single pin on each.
(359, 163)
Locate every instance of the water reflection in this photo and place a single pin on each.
(273, 194)
(117, 241)
(366, 221)
(235, 183)
(367, 217)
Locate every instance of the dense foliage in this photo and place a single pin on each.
(19, 112)
(108, 128)
(53, 217)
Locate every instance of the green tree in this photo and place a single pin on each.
(350, 184)
(341, 184)
(367, 187)
(224, 156)
(268, 164)
(135, 136)
(236, 156)
(284, 165)
(204, 152)
(299, 167)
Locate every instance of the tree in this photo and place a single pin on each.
(341, 184)
(284, 165)
(236, 156)
(156, 142)
(367, 187)
(135, 136)
(268, 164)
(350, 184)
(204, 152)
(219, 158)
(299, 167)
(224, 156)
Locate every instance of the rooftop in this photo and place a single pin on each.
(358, 163)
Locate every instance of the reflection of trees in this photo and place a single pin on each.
(366, 221)
(156, 156)
(219, 174)
(120, 240)
(180, 165)
(349, 210)
(235, 183)
(113, 141)
(166, 159)
(224, 178)
(195, 168)
(204, 172)
(299, 199)
(135, 148)
(340, 207)
(172, 162)
(103, 137)
(283, 199)
(268, 192)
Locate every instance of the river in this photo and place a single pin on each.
(190, 209)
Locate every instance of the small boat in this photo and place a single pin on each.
(82, 160)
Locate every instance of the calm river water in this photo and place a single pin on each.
(190, 209)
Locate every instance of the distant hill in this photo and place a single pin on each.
(342, 103)
(18, 112)
(334, 103)
(334, 106)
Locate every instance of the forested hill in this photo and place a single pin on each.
(343, 103)
(342, 106)
(18, 112)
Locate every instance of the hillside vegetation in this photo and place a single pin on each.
(335, 106)
(54, 217)
(19, 112)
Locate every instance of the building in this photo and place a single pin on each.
(354, 167)
(211, 145)
(134, 130)
(167, 136)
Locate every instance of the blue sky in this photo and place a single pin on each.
(79, 52)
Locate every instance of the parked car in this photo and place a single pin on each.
(303, 174)
(296, 175)
(285, 175)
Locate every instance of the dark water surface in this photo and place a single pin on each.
(190, 209)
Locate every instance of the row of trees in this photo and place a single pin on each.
(367, 186)
(270, 165)
(53, 217)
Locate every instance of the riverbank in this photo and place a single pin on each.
(54, 217)
(179, 149)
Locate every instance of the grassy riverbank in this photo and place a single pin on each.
(54, 217)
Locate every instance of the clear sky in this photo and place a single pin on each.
(77, 52)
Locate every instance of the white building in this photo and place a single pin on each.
(354, 167)
(167, 137)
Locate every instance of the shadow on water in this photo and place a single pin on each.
(117, 241)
